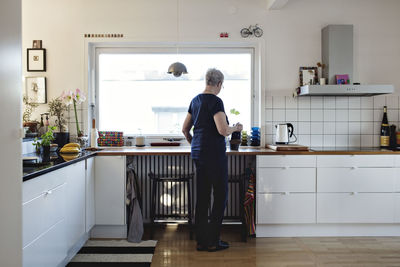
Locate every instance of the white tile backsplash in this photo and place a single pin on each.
(317, 102)
(332, 121)
(342, 115)
(278, 102)
(291, 102)
(317, 115)
(278, 115)
(304, 115)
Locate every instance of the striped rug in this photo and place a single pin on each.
(110, 253)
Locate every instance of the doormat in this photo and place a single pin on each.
(110, 253)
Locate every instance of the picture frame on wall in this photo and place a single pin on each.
(308, 75)
(36, 59)
(35, 88)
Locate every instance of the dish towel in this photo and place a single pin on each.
(135, 218)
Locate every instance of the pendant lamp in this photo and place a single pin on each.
(177, 68)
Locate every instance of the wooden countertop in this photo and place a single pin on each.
(185, 150)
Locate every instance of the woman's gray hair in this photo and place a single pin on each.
(213, 77)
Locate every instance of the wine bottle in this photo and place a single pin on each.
(385, 130)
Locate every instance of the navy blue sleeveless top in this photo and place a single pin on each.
(207, 143)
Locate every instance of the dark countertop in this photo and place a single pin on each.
(41, 166)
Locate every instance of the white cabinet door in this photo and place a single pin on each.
(286, 161)
(48, 250)
(110, 190)
(356, 179)
(355, 208)
(286, 180)
(370, 161)
(89, 194)
(286, 208)
(43, 212)
(75, 217)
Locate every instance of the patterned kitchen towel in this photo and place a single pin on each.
(110, 138)
(110, 253)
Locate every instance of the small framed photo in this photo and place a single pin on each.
(308, 75)
(36, 89)
(342, 79)
(36, 59)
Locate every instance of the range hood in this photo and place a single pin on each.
(345, 90)
(337, 55)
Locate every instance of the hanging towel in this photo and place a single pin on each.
(249, 204)
(135, 218)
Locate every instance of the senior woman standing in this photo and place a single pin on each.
(206, 113)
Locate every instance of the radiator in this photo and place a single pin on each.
(172, 198)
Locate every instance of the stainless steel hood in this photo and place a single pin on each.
(345, 90)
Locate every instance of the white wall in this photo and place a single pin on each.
(292, 35)
(11, 123)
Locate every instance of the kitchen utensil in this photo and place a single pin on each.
(283, 133)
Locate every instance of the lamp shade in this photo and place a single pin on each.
(177, 69)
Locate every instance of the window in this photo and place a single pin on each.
(136, 95)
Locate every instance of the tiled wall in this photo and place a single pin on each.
(331, 121)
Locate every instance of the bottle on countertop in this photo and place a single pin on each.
(385, 130)
(93, 134)
(393, 137)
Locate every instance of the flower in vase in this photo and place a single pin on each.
(74, 98)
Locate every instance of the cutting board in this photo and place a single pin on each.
(291, 147)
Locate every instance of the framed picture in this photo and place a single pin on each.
(308, 75)
(342, 79)
(36, 89)
(36, 59)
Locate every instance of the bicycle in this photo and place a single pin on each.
(256, 30)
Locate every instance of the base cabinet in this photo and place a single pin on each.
(54, 207)
(328, 195)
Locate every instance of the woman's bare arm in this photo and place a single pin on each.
(187, 125)
(223, 127)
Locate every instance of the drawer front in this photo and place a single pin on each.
(286, 208)
(355, 208)
(42, 212)
(286, 180)
(356, 179)
(48, 250)
(355, 161)
(397, 208)
(37, 186)
(286, 161)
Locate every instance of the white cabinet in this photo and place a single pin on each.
(44, 214)
(89, 194)
(356, 189)
(356, 208)
(286, 208)
(110, 190)
(54, 206)
(286, 189)
(76, 202)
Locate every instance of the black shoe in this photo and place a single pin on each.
(219, 246)
(201, 247)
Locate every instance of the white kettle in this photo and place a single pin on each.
(283, 133)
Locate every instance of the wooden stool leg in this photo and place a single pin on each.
(152, 207)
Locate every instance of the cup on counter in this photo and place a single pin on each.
(139, 141)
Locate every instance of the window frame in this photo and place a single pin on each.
(255, 49)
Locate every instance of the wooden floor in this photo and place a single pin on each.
(174, 248)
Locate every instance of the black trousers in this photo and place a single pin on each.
(211, 174)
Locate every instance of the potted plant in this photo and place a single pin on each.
(29, 107)
(57, 108)
(43, 145)
(235, 137)
(75, 98)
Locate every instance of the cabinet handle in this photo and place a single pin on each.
(354, 168)
(286, 168)
(285, 193)
(354, 193)
(49, 192)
